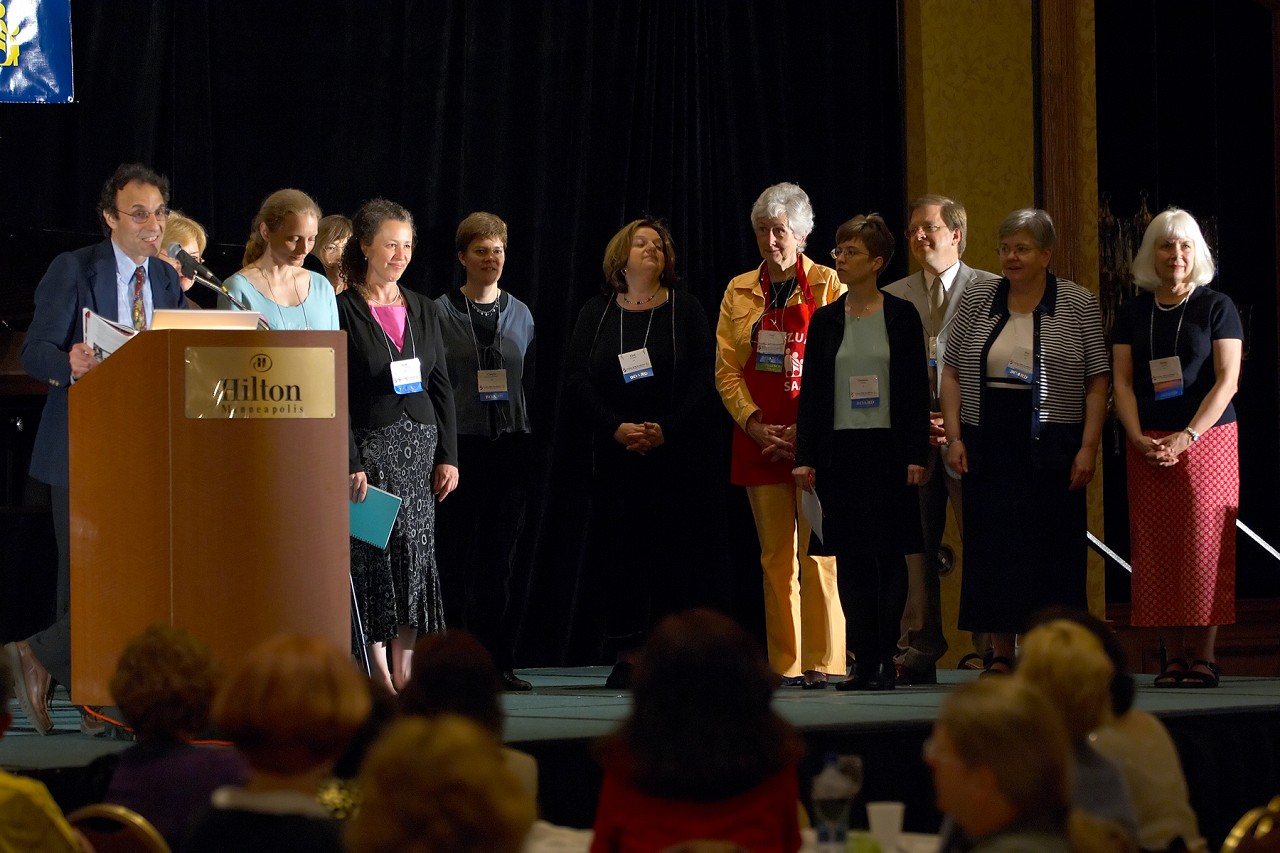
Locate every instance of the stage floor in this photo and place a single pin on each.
(572, 704)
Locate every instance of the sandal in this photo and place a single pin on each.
(1173, 674)
(1194, 678)
(972, 661)
(995, 662)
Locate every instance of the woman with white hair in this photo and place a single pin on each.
(1177, 352)
(760, 344)
(1024, 393)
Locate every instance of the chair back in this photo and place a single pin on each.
(1258, 831)
(116, 829)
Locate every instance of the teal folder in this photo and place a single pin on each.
(371, 520)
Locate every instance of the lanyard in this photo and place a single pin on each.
(413, 346)
(497, 332)
(622, 313)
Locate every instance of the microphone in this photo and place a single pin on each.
(189, 264)
(201, 274)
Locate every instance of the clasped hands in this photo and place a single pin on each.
(1162, 452)
(639, 438)
(777, 441)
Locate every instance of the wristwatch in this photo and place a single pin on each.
(1195, 436)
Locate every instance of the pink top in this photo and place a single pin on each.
(391, 319)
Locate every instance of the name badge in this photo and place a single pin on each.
(636, 364)
(406, 376)
(1022, 365)
(864, 392)
(770, 348)
(933, 350)
(1166, 376)
(492, 385)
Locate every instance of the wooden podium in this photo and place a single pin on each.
(209, 491)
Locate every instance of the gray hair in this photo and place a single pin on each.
(1173, 223)
(785, 200)
(1035, 222)
(953, 214)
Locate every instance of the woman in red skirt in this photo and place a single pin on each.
(1176, 364)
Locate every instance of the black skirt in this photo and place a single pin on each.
(868, 507)
(1024, 532)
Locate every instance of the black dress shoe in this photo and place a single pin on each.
(853, 682)
(884, 678)
(814, 680)
(909, 676)
(513, 683)
(620, 677)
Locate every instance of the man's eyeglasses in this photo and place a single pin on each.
(141, 217)
(927, 228)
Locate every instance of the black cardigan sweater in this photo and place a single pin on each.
(372, 401)
(908, 384)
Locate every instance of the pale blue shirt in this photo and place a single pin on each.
(864, 351)
(125, 267)
(319, 311)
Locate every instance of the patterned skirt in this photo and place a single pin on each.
(1182, 522)
(401, 585)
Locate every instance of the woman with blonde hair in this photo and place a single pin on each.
(290, 708)
(1177, 351)
(273, 281)
(1068, 665)
(439, 784)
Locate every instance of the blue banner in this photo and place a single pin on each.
(35, 52)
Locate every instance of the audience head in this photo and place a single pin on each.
(453, 673)
(1067, 663)
(1172, 226)
(164, 684)
(292, 705)
(786, 202)
(999, 755)
(1122, 682)
(724, 743)
(286, 224)
(868, 233)
(439, 784)
(628, 246)
(331, 238)
(368, 221)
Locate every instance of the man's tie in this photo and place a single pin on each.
(936, 309)
(139, 310)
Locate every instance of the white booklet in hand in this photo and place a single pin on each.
(105, 336)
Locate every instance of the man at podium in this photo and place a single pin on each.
(123, 280)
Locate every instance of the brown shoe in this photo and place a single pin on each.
(32, 684)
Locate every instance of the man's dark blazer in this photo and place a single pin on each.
(85, 278)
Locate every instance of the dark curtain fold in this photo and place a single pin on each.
(565, 117)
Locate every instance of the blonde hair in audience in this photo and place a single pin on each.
(293, 704)
(439, 784)
(1067, 663)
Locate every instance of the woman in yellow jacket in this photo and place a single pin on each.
(760, 338)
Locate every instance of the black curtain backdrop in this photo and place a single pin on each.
(566, 117)
(1194, 128)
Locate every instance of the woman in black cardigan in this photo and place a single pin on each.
(862, 440)
(403, 435)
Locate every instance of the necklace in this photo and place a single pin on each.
(368, 297)
(1174, 306)
(652, 297)
(296, 295)
(484, 309)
